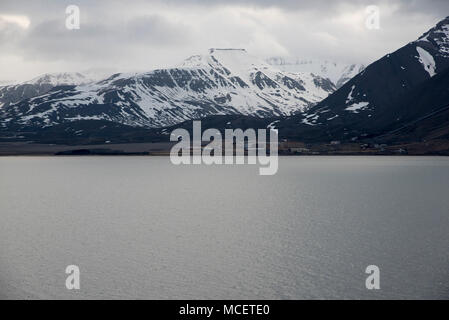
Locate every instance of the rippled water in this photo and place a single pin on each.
(139, 227)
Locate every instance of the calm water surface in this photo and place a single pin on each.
(139, 227)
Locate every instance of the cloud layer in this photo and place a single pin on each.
(142, 35)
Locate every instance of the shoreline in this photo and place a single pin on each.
(436, 148)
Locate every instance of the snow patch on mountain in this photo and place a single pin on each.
(272, 125)
(356, 107)
(311, 119)
(426, 59)
(350, 97)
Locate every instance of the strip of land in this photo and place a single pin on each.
(440, 147)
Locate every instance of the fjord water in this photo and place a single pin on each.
(140, 227)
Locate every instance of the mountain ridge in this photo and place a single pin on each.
(399, 98)
(373, 100)
(338, 73)
(222, 82)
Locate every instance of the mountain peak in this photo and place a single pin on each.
(443, 22)
(438, 37)
(63, 78)
(235, 59)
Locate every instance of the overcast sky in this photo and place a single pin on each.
(142, 35)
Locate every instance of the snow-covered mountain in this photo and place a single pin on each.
(338, 73)
(40, 85)
(224, 81)
(7, 82)
(402, 87)
(63, 78)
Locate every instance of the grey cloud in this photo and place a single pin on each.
(157, 30)
(9, 32)
(140, 34)
(325, 7)
(98, 41)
